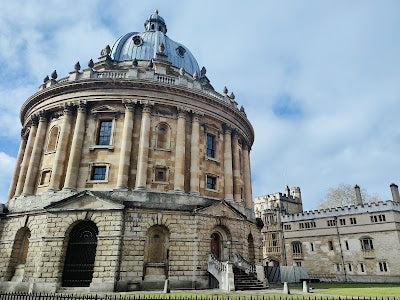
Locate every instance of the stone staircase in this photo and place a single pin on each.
(244, 281)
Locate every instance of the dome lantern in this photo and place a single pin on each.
(155, 23)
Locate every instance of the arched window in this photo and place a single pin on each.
(52, 140)
(216, 244)
(163, 134)
(19, 254)
(250, 244)
(80, 256)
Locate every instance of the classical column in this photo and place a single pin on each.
(247, 176)
(143, 155)
(237, 195)
(195, 155)
(27, 156)
(60, 157)
(71, 176)
(228, 163)
(17, 168)
(126, 146)
(31, 175)
(179, 178)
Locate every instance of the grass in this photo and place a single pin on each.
(357, 289)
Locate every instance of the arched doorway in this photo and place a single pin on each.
(216, 243)
(80, 256)
(19, 254)
(250, 244)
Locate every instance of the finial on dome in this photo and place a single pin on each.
(232, 96)
(161, 48)
(54, 75)
(156, 12)
(225, 91)
(203, 71)
(106, 51)
(77, 66)
(150, 65)
(135, 62)
(90, 63)
(46, 79)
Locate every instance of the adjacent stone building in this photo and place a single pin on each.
(357, 243)
(130, 171)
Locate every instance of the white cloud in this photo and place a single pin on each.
(338, 60)
(7, 164)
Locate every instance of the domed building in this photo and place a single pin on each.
(131, 171)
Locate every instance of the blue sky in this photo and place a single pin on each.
(320, 80)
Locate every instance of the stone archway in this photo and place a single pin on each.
(80, 255)
(19, 254)
(221, 243)
(251, 250)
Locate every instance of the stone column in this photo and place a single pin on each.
(195, 155)
(236, 169)
(60, 157)
(31, 175)
(247, 176)
(20, 156)
(143, 155)
(27, 156)
(228, 163)
(179, 178)
(126, 146)
(71, 176)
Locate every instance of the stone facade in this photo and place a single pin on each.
(140, 163)
(357, 243)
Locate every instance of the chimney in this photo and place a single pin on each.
(358, 195)
(395, 192)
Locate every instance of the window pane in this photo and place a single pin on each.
(99, 173)
(210, 145)
(211, 182)
(105, 133)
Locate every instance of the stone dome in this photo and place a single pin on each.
(145, 45)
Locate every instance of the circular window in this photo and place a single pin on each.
(181, 51)
(137, 40)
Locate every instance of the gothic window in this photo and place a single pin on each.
(353, 221)
(163, 135)
(362, 268)
(53, 138)
(366, 244)
(347, 245)
(383, 267)
(104, 133)
(210, 145)
(296, 249)
(330, 245)
(312, 247)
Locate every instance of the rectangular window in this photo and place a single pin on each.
(312, 246)
(161, 174)
(211, 182)
(383, 266)
(298, 263)
(362, 268)
(353, 221)
(99, 173)
(296, 248)
(337, 267)
(287, 227)
(331, 223)
(210, 145)
(45, 177)
(366, 244)
(330, 244)
(347, 245)
(342, 221)
(350, 267)
(104, 136)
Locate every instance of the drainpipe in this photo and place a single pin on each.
(340, 247)
(120, 250)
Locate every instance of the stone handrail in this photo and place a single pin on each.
(243, 264)
(222, 271)
(111, 74)
(165, 79)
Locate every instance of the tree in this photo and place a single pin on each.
(344, 195)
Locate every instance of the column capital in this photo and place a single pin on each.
(82, 106)
(147, 108)
(43, 116)
(24, 135)
(245, 146)
(196, 115)
(68, 108)
(35, 120)
(129, 104)
(227, 128)
(181, 112)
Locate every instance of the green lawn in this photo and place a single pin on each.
(357, 289)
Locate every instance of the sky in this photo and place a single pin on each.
(320, 80)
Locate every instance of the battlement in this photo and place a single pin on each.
(372, 207)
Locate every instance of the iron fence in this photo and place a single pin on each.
(161, 296)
